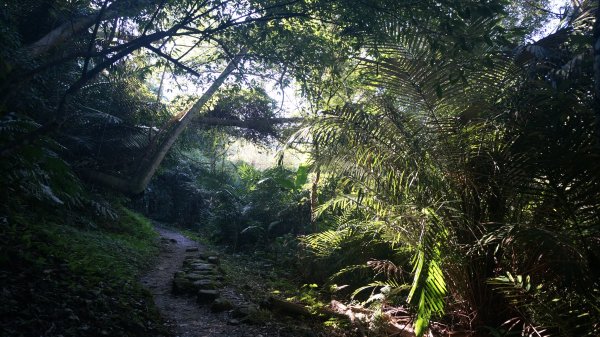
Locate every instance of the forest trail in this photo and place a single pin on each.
(182, 314)
(185, 317)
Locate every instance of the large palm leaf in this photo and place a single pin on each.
(444, 153)
(400, 153)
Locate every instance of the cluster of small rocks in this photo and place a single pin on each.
(201, 276)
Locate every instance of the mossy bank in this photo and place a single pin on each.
(62, 278)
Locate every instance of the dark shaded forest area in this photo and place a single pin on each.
(352, 168)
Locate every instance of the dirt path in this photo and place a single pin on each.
(185, 317)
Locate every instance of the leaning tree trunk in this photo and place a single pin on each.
(61, 34)
(75, 26)
(138, 183)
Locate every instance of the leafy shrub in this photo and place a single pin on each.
(263, 206)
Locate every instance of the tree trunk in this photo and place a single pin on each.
(65, 32)
(160, 86)
(166, 145)
(78, 25)
(138, 183)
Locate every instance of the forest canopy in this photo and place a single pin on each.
(452, 148)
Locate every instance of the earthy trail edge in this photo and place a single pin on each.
(186, 317)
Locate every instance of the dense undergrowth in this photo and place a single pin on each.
(237, 206)
(59, 279)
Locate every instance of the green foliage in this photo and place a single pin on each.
(234, 204)
(513, 286)
(69, 259)
(428, 290)
(261, 207)
(550, 308)
(351, 256)
(473, 159)
(125, 248)
(114, 119)
(37, 173)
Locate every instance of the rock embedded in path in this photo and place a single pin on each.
(199, 275)
(202, 276)
(183, 286)
(205, 284)
(221, 304)
(233, 322)
(199, 272)
(205, 296)
(202, 266)
(191, 249)
(245, 311)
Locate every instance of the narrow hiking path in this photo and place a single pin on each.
(187, 318)
(182, 314)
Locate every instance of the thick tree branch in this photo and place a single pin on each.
(94, 35)
(256, 124)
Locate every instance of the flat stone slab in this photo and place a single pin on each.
(205, 284)
(202, 266)
(207, 296)
(200, 275)
(183, 286)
